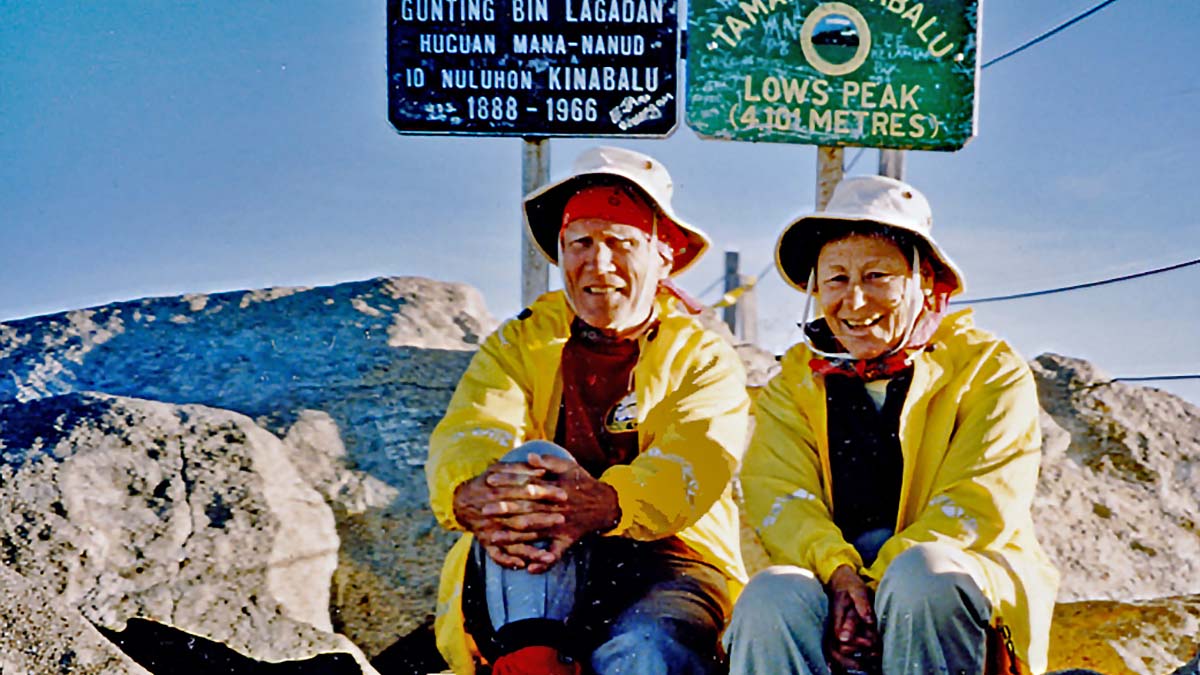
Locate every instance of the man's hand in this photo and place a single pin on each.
(853, 641)
(507, 508)
(589, 506)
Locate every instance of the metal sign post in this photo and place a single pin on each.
(535, 172)
(830, 168)
(891, 164)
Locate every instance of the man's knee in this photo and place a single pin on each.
(930, 577)
(644, 643)
(522, 452)
(781, 590)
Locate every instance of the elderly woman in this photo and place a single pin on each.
(892, 466)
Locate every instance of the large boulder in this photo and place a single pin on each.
(181, 514)
(354, 375)
(1118, 501)
(1149, 637)
(41, 635)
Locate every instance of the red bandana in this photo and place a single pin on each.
(619, 204)
(886, 367)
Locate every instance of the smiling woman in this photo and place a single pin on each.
(919, 433)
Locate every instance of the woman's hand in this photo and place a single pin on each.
(853, 641)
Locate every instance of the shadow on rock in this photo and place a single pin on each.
(414, 654)
(165, 650)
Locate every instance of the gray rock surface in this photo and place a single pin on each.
(41, 635)
(353, 378)
(1146, 637)
(1118, 502)
(373, 363)
(182, 514)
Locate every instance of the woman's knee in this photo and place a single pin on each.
(782, 590)
(930, 577)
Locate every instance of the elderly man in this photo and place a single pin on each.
(588, 450)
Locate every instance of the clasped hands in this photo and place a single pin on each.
(853, 641)
(527, 514)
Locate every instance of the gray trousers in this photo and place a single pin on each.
(663, 619)
(931, 613)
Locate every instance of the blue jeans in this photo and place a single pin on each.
(621, 606)
(932, 615)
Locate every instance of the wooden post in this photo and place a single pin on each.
(891, 164)
(535, 172)
(830, 169)
(732, 281)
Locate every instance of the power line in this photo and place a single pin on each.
(756, 278)
(770, 266)
(857, 156)
(1075, 287)
(1049, 33)
(1154, 378)
(1012, 52)
(716, 282)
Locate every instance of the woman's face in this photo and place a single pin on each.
(860, 285)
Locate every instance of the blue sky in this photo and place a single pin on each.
(162, 147)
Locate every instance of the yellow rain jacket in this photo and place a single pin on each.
(692, 412)
(972, 448)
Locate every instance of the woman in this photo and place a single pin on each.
(892, 465)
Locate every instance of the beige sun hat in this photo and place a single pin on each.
(877, 200)
(544, 206)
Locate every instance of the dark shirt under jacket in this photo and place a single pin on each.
(864, 453)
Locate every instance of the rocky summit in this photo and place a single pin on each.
(247, 468)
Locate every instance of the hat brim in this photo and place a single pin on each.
(543, 210)
(800, 243)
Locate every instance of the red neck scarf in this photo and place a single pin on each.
(889, 365)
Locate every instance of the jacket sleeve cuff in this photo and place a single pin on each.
(449, 480)
(622, 480)
(827, 565)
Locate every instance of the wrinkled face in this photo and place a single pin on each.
(861, 281)
(611, 274)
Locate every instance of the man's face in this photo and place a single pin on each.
(611, 273)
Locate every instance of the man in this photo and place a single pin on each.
(588, 451)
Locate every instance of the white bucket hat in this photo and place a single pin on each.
(877, 200)
(544, 206)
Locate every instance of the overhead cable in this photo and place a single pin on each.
(1155, 378)
(732, 296)
(1075, 287)
(1012, 52)
(1049, 33)
(708, 289)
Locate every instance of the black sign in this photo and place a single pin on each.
(533, 67)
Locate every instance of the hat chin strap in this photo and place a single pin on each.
(912, 296)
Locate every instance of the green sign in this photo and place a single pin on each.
(877, 73)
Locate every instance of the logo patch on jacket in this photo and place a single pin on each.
(622, 417)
